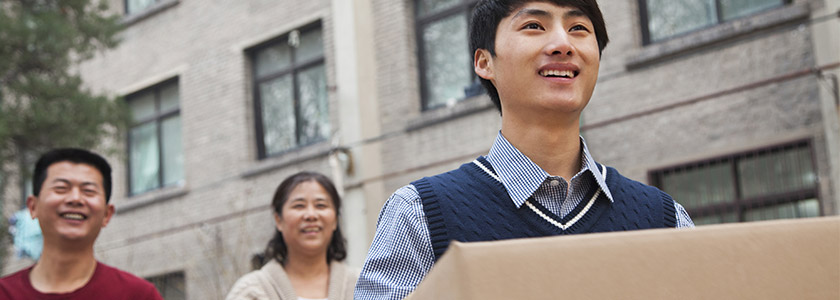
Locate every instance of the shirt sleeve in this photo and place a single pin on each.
(401, 253)
(683, 219)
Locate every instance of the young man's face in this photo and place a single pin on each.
(71, 204)
(547, 60)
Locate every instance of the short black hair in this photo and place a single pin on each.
(74, 155)
(489, 13)
(276, 249)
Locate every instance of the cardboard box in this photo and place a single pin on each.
(788, 259)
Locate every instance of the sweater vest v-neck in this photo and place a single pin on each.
(470, 204)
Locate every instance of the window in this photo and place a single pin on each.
(662, 19)
(170, 286)
(773, 183)
(135, 6)
(290, 87)
(154, 141)
(446, 65)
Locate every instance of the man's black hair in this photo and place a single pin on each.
(489, 13)
(73, 155)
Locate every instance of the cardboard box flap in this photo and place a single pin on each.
(787, 259)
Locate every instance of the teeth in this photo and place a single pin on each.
(73, 216)
(311, 229)
(558, 73)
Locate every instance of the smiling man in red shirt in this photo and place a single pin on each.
(72, 188)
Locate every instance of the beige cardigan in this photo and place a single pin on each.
(271, 282)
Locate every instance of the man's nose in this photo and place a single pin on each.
(559, 43)
(75, 196)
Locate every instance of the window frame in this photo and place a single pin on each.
(420, 23)
(157, 118)
(293, 69)
(644, 18)
(740, 205)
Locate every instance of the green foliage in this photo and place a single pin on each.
(43, 104)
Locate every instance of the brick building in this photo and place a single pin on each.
(728, 108)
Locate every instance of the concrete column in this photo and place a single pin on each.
(826, 37)
(358, 110)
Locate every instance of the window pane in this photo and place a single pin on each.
(314, 111)
(142, 106)
(144, 158)
(801, 209)
(731, 9)
(672, 17)
(173, 157)
(133, 6)
(278, 114)
(425, 7)
(447, 64)
(700, 186)
(169, 98)
(729, 217)
(776, 172)
(273, 59)
(311, 46)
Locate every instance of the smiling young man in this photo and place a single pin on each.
(538, 61)
(72, 188)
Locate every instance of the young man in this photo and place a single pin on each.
(72, 189)
(539, 62)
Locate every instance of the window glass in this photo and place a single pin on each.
(672, 17)
(170, 286)
(133, 6)
(701, 186)
(173, 155)
(311, 46)
(292, 100)
(278, 114)
(142, 106)
(775, 173)
(314, 121)
(425, 7)
(144, 158)
(273, 59)
(774, 183)
(445, 47)
(731, 9)
(169, 98)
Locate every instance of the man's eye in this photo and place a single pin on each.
(579, 27)
(532, 26)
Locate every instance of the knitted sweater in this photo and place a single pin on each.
(271, 282)
(470, 204)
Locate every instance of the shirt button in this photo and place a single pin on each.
(554, 182)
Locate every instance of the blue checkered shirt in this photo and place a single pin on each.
(401, 253)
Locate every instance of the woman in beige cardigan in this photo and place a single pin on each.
(307, 249)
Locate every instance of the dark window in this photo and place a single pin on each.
(773, 183)
(170, 286)
(154, 142)
(135, 6)
(290, 87)
(662, 19)
(446, 64)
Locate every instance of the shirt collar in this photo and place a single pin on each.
(522, 177)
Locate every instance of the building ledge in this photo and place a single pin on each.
(445, 114)
(288, 158)
(152, 197)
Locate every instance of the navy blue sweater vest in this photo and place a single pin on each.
(467, 204)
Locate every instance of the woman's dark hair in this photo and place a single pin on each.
(489, 13)
(276, 248)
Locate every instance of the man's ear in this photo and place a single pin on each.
(31, 202)
(483, 64)
(109, 212)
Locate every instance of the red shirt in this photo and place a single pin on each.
(106, 283)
